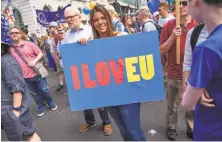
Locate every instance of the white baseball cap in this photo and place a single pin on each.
(53, 24)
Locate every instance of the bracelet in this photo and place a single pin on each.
(17, 108)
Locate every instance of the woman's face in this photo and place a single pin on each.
(128, 20)
(100, 23)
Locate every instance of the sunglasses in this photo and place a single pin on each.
(12, 33)
(183, 3)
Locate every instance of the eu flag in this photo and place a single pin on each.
(153, 5)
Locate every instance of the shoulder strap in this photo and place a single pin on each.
(144, 25)
(116, 23)
(195, 35)
(20, 55)
(150, 22)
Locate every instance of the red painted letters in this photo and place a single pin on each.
(75, 77)
(103, 70)
(102, 73)
(86, 77)
(117, 70)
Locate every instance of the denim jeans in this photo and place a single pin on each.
(90, 119)
(127, 118)
(40, 93)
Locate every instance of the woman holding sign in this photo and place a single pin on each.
(127, 117)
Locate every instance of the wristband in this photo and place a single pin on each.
(17, 108)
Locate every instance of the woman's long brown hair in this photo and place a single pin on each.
(110, 30)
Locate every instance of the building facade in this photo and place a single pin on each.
(122, 7)
(25, 15)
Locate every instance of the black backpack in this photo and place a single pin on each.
(195, 35)
(158, 27)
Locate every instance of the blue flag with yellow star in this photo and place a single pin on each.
(153, 5)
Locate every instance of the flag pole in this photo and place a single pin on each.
(178, 37)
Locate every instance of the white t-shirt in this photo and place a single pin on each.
(148, 26)
(188, 55)
(162, 21)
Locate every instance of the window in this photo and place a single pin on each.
(18, 17)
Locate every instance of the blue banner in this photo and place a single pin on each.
(153, 5)
(45, 17)
(5, 30)
(113, 71)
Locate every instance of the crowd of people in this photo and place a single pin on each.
(196, 80)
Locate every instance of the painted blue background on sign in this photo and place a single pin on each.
(108, 49)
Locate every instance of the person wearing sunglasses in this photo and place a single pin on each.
(206, 73)
(28, 55)
(174, 71)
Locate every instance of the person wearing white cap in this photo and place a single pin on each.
(118, 25)
(81, 33)
(53, 43)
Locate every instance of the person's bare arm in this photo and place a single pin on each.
(17, 102)
(184, 80)
(17, 99)
(191, 97)
(165, 47)
(38, 58)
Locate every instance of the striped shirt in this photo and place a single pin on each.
(188, 56)
(118, 26)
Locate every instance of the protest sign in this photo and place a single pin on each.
(113, 71)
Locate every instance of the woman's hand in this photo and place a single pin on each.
(132, 30)
(83, 41)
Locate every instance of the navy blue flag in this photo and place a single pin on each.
(5, 30)
(153, 5)
(45, 17)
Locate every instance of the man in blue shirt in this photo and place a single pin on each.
(206, 73)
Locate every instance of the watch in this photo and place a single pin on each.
(17, 108)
